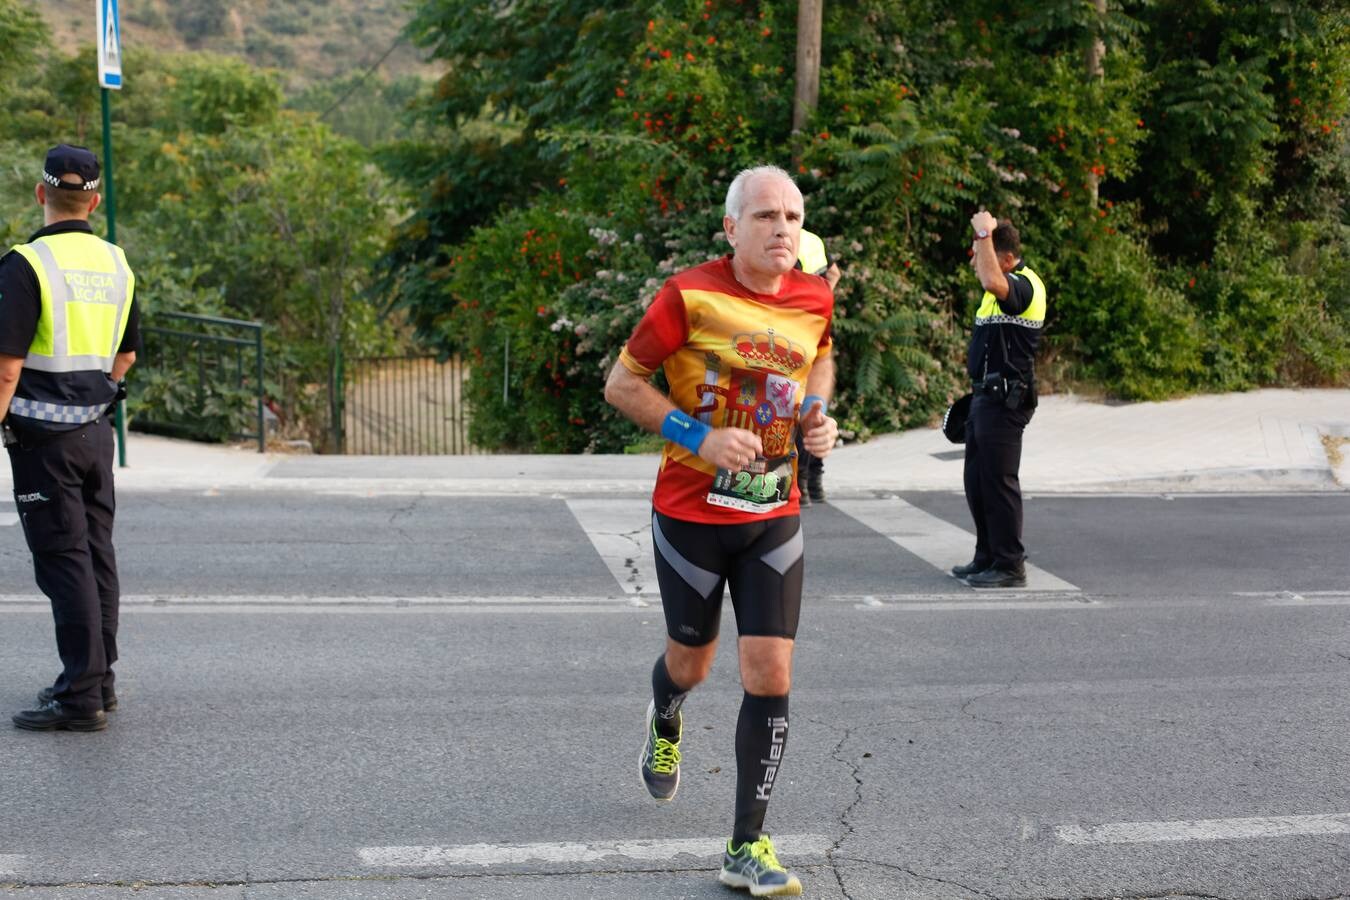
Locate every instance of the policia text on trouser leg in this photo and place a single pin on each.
(64, 496)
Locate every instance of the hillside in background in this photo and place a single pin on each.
(307, 41)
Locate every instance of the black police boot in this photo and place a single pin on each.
(52, 716)
(47, 695)
(994, 577)
(815, 486)
(969, 568)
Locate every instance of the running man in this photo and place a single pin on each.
(744, 342)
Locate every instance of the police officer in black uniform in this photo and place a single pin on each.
(1001, 366)
(68, 334)
(812, 258)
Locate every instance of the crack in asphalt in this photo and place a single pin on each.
(965, 707)
(399, 512)
(920, 876)
(1168, 895)
(630, 562)
(854, 769)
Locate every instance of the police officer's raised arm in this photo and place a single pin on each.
(986, 261)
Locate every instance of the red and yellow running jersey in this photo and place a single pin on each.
(732, 358)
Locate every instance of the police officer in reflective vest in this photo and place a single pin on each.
(1001, 366)
(68, 334)
(812, 259)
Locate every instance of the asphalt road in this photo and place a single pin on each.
(1174, 726)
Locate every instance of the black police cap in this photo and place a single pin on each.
(67, 159)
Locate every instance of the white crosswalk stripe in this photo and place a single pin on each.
(935, 541)
(488, 855)
(621, 532)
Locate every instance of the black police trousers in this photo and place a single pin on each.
(63, 490)
(809, 466)
(993, 492)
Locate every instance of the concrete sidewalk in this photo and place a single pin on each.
(1269, 440)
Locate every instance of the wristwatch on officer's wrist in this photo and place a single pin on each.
(981, 234)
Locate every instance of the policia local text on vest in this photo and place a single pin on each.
(1001, 365)
(68, 334)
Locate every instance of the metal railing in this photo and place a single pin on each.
(211, 350)
(404, 405)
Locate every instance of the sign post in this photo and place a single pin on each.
(110, 78)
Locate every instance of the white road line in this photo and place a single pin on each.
(182, 600)
(487, 855)
(11, 863)
(8, 518)
(1203, 830)
(621, 532)
(1299, 598)
(976, 604)
(247, 603)
(933, 540)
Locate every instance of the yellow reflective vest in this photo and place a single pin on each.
(811, 254)
(86, 289)
(1031, 317)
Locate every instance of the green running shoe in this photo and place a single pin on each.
(755, 867)
(660, 760)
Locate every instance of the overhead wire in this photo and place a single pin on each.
(370, 70)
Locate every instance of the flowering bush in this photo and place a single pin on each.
(1186, 203)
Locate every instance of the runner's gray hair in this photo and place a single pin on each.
(736, 190)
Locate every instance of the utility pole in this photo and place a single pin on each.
(1096, 51)
(809, 16)
(110, 77)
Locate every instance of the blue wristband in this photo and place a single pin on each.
(811, 399)
(684, 430)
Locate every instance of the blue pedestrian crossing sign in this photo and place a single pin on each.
(109, 45)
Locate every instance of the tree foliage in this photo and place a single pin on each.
(1187, 204)
(229, 205)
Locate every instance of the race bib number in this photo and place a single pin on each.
(763, 485)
